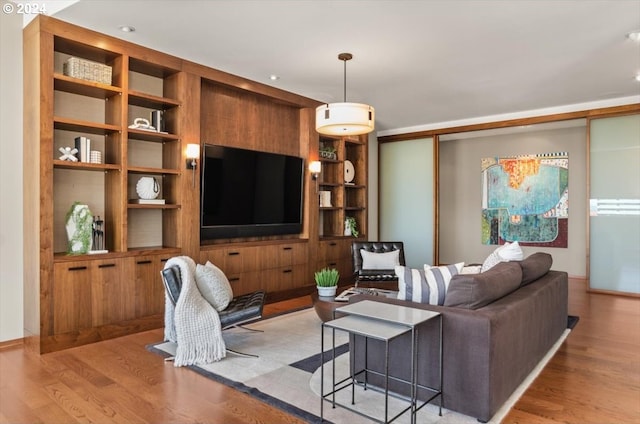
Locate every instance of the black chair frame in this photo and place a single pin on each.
(372, 276)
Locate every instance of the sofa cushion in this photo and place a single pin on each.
(383, 260)
(535, 266)
(473, 291)
(505, 253)
(427, 285)
(213, 285)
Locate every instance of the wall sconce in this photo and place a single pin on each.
(315, 167)
(193, 153)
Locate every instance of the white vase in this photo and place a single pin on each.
(347, 228)
(327, 291)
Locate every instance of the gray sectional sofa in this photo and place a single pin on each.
(497, 326)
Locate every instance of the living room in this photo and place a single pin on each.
(14, 300)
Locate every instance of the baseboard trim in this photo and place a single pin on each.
(11, 344)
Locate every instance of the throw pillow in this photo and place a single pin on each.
(473, 291)
(505, 253)
(214, 285)
(471, 269)
(535, 266)
(385, 260)
(427, 285)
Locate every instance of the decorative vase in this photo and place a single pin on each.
(79, 226)
(347, 228)
(327, 291)
(325, 199)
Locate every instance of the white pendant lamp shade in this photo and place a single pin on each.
(345, 119)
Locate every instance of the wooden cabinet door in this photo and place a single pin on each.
(71, 296)
(247, 282)
(149, 289)
(241, 259)
(112, 292)
(336, 254)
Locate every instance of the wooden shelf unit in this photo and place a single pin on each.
(347, 199)
(74, 300)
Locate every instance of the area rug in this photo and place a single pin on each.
(286, 373)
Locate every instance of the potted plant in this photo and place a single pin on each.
(327, 281)
(350, 227)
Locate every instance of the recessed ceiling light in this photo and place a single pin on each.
(274, 77)
(127, 28)
(634, 36)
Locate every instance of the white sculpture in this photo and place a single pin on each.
(68, 154)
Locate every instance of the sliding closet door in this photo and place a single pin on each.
(406, 175)
(614, 222)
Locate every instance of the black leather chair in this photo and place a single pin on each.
(241, 310)
(382, 278)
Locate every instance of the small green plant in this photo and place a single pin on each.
(327, 277)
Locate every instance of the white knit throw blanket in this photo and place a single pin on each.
(193, 323)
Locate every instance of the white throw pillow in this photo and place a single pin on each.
(471, 269)
(427, 285)
(386, 260)
(214, 285)
(505, 253)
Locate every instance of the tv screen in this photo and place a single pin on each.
(247, 193)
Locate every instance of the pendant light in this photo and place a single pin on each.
(345, 118)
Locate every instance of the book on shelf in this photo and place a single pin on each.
(147, 201)
(83, 144)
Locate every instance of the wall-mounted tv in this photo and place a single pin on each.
(247, 193)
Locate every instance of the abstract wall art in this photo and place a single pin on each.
(526, 199)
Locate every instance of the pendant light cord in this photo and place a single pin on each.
(345, 80)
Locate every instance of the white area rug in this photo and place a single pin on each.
(293, 337)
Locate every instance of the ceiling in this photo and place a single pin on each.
(419, 63)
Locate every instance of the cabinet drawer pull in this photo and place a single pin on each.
(287, 248)
(332, 264)
(333, 243)
(287, 271)
(106, 265)
(234, 279)
(234, 253)
(143, 262)
(77, 268)
(164, 259)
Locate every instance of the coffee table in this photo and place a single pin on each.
(325, 305)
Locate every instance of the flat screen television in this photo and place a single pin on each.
(248, 193)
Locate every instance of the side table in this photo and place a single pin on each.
(383, 322)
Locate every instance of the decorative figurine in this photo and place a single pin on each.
(68, 154)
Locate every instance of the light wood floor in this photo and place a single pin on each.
(594, 378)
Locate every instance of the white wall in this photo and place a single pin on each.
(460, 194)
(11, 322)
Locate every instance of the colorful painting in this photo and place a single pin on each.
(526, 199)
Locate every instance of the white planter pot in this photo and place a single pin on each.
(327, 291)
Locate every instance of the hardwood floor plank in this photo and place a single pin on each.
(594, 378)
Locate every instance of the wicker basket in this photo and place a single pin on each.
(87, 70)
